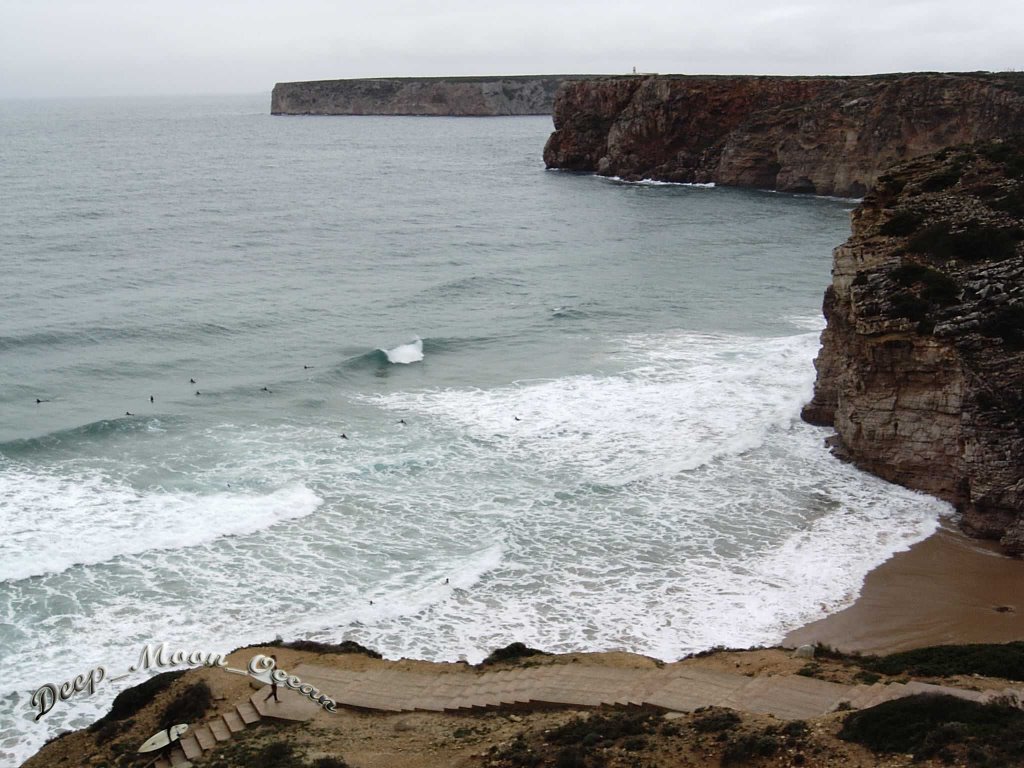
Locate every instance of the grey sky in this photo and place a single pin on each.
(127, 47)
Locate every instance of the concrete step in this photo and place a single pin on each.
(190, 746)
(162, 762)
(219, 729)
(233, 721)
(204, 736)
(247, 712)
(178, 759)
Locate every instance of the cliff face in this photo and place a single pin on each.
(921, 369)
(818, 135)
(471, 97)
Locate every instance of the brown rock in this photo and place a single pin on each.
(822, 135)
(921, 369)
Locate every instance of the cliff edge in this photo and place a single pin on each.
(435, 96)
(819, 135)
(921, 370)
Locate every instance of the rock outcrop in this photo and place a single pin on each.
(820, 135)
(454, 96)
(921, 370)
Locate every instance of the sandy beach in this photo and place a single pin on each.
(946, 589)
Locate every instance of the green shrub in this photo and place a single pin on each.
(943, 179)
(934, 240)
(511, 652)
(867, 678)
(130, 701)
(913, 308)
(991, 660)
(936, 287)
(927, 724)
(902, 223)
(277, 754)
(795, 729)
(313, 646)
(1007, 323)
(189, 706)
(715, 720)
(979, 242)
(1012, 202)
(601, 728)
(744, 748)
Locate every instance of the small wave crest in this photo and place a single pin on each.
(404, 354)
(92, 432)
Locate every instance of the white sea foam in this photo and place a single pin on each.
(686, 400)
(53, 521)
(657, 183)
(411, 352)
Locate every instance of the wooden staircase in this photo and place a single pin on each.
(206, 736)
(384, 688)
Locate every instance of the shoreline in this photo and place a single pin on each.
(944, 590)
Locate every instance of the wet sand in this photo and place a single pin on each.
(944, 590)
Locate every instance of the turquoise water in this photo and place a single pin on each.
(575, 399)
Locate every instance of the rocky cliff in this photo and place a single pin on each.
(456, 96)
(821, 135)
(921, 370)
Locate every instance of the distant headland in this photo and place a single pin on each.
(430, 96)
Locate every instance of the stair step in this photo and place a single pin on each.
(233, 721)
(219, 730)
(162, 762)
(178, 759)
(248, 712)
(204, 736)
(191, 747)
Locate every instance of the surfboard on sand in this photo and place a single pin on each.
(162, 738)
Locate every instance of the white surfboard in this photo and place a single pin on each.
(162, 738)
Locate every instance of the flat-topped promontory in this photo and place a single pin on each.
(435, 96)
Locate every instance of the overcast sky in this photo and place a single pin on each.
(128, 47)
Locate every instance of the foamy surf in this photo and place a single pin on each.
(54, 521)
(684, 401)
(404, 354)
(658, 183)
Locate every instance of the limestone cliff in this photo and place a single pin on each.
(822, 135)
(921, 369)
(456, 96)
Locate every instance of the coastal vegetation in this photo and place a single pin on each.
(952, 729)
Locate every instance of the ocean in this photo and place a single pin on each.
(443, 399)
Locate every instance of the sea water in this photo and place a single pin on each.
(443, 399)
